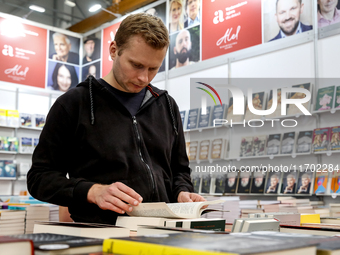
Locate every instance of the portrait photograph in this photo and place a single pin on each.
(91, 47)
(176, 15)
(91, 69)
(184, 49)
(258, 182)
(328, 12)
(158, 11)
(64, 48)
(231, 182)
(61, 76)
(289, 180)
(304, 182)
(286, 18)
(273, 181)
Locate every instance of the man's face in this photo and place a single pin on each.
(89, 47)
(273, 181)
(61, 46)
(193, 7)
(258, 181)
(183, 46)
(288, 15)
(92, 71)
(231, 181)
(327, 6)
(64, 78)
(138, 64)
(244, 181)
(305, 181)
(290, 181)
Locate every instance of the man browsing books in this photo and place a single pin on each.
(119, 139)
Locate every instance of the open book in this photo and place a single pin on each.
(173, 210)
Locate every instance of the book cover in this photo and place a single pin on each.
(12, 144)
(337, 98)
(204, 119)
(204, 150)
(289, 180)
(273, 182)
(25, 120)
(258, 104)
(217, 148)
(25, 145)
(321, 139)
(35, 142)
(305, 181)
(3, 117)
(273, 144)
(217, 113)
(244, 182)
(292, 108)
(11, 245)
(231, 182)
(230, 115)
(324, 98)
(259, 145)
(200, 224)
(335, 185)
(288, 143)
(335, 138)
(192, 118)
(3, 143)
(13, 118)
(321, 180)
(39, 120)
(196, 182)
(258, 182)
(183, 113)
(220, 182)
(246, 147)
(304, 142)
(193, 150)
(206, 180)
(277, 112)
(10, 169)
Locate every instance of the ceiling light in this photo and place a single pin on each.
(70, 3)
(37, 8)
(96, 7)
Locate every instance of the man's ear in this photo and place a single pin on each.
(301, 9)
(113, 50)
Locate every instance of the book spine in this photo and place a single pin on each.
(116, 246)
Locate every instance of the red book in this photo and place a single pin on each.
(16, 246)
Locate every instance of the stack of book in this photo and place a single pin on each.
(231, 208)
(334, 209)
(12, 222)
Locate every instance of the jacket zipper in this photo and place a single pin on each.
(140, 152)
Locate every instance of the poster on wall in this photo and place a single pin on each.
(328, 12)
(91, 69)
(23, 53)
(184, 49)
(108, 36)
(64, 48)
(62, 76)
(284, 18)
(229, 26)
(184, 14)
(91, 46)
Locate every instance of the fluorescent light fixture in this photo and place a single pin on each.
(96, 7)
(37, 8)
(70, 3)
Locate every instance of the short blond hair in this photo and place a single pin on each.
(150, 28)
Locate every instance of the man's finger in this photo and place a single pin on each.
(127, 190)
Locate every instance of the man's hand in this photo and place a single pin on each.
(111, 197)
(184, 196)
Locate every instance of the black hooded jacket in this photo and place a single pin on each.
(91, 136)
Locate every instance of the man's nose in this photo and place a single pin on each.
(143, 76)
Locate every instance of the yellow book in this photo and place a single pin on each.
(310, 218)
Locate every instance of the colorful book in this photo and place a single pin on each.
(277, 112)
(204, 150)
(258, 182)
(244, 182)
(259, 145)
(192, 118)
(289, 180)
(12, 144)
(335, 184)
(204, 119)
(273, 182)
(292, 108)
(231, 182)
(26, 145)
(3, 143)
(39, 120)
(25, 120)
(288, 143)
(337, 98)
(246, 147)
(321, 139)
(10, 169)
(258, 104)
(321, 180)
(335, 138)
(183, 114)
(217, 113)
(305, 181)
(325, 98)
(304, 142)
(273, 144)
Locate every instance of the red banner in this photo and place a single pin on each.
(108, 36)
(23, 53)
(228, 26)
